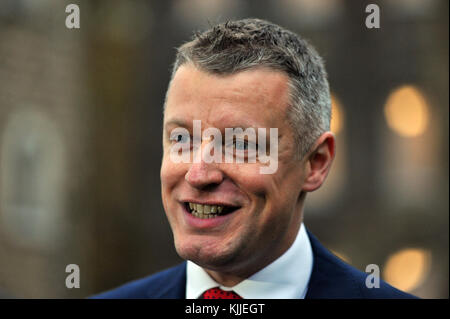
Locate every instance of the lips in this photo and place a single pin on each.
(207, 211)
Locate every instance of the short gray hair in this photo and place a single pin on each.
(235, 46)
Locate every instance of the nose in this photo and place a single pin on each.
(202, 174)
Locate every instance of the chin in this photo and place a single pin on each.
(205, 255)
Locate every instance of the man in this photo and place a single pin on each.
(240, 229)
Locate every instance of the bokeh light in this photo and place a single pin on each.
(407, 112)
(337, 115)
(407, 268)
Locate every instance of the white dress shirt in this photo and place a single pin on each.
(285, 278)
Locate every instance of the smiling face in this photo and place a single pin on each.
(264, 210)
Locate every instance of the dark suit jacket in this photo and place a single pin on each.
(331, 278)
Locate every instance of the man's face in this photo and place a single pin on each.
(264, 209)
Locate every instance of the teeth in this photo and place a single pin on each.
(203, 216)
(205, 211)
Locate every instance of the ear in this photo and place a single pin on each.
(318, 162)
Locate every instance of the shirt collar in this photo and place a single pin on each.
(285, 278)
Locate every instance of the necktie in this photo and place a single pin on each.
(217, 293)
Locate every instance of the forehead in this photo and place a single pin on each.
(255, 95)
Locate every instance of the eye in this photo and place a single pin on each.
(240, 147)
(240, 144)
(180, 137)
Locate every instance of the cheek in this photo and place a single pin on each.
(170, 171)
(272, 195)
(171, 174)
(165, 173)
(248, 178)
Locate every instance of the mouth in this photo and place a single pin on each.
(207, 211)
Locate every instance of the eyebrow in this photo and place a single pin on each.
(177, 122)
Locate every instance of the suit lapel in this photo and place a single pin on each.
(173, 286)
(330, 278)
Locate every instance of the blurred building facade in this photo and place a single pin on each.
(80, 137)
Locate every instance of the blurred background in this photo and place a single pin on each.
(80, 137)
